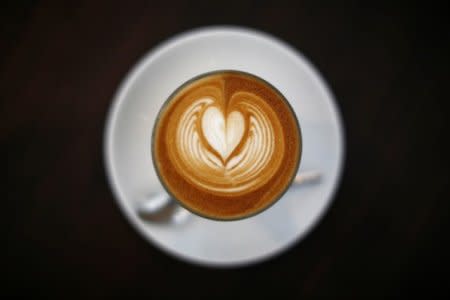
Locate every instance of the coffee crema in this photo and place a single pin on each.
(226, 145)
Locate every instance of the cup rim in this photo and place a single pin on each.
(276, 198)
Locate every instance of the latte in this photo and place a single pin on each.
(226, 145)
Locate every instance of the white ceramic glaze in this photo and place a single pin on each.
(132, 116)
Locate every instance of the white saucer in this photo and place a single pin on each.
(128, 133)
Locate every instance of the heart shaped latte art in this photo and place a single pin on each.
(227, 149)
(222, 134)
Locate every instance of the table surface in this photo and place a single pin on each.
(386, 233)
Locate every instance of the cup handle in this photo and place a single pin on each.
(161, 208)
(307, 177)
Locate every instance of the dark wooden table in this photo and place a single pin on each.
(386, 234)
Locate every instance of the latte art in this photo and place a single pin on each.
(226, 145)
(223, 135)
(227, 153)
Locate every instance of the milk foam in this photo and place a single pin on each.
(225, 152)
(223, 134)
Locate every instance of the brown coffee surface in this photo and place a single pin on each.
(226, 145)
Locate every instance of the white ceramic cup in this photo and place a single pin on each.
(291, 180)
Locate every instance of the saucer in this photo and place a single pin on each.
(132, 116)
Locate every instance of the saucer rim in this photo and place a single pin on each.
(135, 72)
